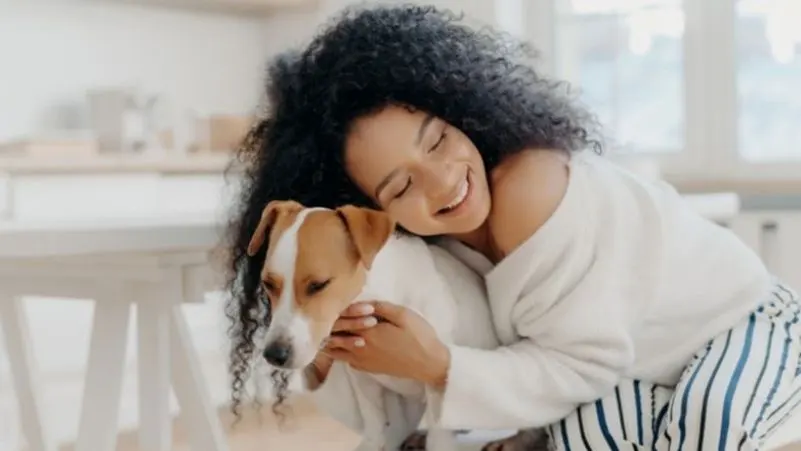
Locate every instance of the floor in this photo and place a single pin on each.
(258, 431)
(305, 429)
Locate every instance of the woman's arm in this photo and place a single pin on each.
(537, 380)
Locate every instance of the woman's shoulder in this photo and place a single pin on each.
(527, 189)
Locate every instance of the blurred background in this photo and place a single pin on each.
(116, 115)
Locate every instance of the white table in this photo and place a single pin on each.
(153, 263)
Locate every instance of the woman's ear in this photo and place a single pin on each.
(369, 230)
(274, 210)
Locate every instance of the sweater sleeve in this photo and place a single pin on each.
(575, 355)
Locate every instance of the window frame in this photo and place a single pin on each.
(709, 159)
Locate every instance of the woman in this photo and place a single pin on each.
(627, 320)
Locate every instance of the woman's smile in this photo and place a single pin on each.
(460, 201)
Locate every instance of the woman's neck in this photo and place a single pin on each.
(480, 241)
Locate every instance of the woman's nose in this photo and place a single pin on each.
(441, 180)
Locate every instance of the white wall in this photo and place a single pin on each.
(52, 52)
(294, 28)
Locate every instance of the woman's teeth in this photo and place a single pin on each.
(465, 188)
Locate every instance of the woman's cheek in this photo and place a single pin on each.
(423, 226)
(409, 217)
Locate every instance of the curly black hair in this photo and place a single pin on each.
(367, 58)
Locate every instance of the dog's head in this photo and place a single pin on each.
(315, 266)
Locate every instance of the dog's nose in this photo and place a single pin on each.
(278, 353)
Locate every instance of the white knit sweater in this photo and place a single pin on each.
(624, 279)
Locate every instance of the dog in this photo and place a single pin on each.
(319, 261)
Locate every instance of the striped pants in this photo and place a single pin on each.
(733, 395)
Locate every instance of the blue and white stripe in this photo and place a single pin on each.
(736, 392)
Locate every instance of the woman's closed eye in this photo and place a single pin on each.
(439, 142)
(405, 188)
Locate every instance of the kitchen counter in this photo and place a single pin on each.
(206, 163)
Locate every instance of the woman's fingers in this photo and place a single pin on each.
(358, 309)
(386, 311)
(346, 324)
(337, 354)
(343, 343)
(391, 312)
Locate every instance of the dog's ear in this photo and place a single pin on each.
(369, 230)
(269, 216)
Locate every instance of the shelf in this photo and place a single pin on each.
(207, 163)
(236, 7)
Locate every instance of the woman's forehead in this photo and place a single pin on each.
(389, 122)
(392, 132)
(379, 144)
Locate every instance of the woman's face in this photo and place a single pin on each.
(426, 174)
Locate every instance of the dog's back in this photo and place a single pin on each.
(438, 286)
(441, 288)
(473, 326)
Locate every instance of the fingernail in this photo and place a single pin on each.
(324, 343)
(366, 309)
(359, 343)
(370, 322)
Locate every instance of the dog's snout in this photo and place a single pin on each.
(278, 353)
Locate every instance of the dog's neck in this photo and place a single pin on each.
(399, 275)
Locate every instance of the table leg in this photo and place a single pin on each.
(202, 422)
(24, 373)
(153, 333)
(97, 430)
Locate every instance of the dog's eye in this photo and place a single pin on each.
(316, 287)
(267, 288)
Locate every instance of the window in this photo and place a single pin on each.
(626, 58)
(708, 89)
(768, 50)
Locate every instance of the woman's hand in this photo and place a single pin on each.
(354, 318)
(389, 339)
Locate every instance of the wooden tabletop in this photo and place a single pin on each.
(200, 163)
(140, 235)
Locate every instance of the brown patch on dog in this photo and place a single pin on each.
(369, 230)
(276, 217)
(335, 248)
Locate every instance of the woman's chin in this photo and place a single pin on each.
(453, 227)
(469, 227)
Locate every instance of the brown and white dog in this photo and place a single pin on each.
(319, 261)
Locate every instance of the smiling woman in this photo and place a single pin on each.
(607, 291)
(433, 104)
(429, 175)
